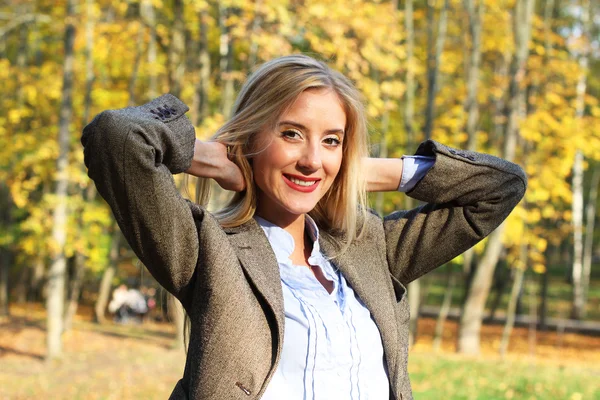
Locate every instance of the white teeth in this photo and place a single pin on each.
(302, 183)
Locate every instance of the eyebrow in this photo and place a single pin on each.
(300, 126)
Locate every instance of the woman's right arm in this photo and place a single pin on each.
(131, 155)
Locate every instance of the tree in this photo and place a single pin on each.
(57, 271)
(473, 308)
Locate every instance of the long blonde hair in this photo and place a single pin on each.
(265, 96)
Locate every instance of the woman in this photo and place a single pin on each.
(296, 247)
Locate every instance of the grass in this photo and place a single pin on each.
(451, 377)
(137, 362)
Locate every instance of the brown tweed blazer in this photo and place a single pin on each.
(228, 279)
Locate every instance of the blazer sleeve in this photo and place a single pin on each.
(467, 196)
(131, 155)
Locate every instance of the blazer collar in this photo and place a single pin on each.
(258, 261)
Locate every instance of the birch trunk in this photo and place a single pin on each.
(107, 277)
(409, 102)
(201, 93)
(177, 316)
(473, 309)
(444, 310)
(56, 273)
(147, 12)
(226, 62)
(433, 60)
(4, 294)
(578, 306)
(254, 31)
(512, 304)
(177, 49)
(89, 61)
(577, 207)
(5, 251)
(475, 15)
(74, 291)
(590, 220)
(136, 66)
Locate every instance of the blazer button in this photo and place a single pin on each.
(246, 391)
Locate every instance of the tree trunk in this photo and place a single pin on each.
(471, 105)
(414, 297)
(4, 295)
(578, 306)
(147, 13)
(577, 272)
(498, 286)
(256, 21)
(201, 96)
(177, 49)
(79, 259)
(74, 290)
(226, 62)
(433, 60)
(473, 309)
(89, 61)
(512, 304)
(56, 273)
(5, 250)
(177, 315)
(532, 331)
(590, 220)
(444, 310)
(107, 277)
(543, 301)
(409, 103)
(136, 66)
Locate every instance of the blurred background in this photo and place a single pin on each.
(518, 317)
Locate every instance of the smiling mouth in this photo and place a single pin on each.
(302, 184)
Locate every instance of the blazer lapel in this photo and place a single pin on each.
(368, 287)
(258, 261)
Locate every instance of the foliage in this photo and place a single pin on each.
(364, 39)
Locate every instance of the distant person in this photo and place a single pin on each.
(294, 289)
(136, 302)
(118, 304)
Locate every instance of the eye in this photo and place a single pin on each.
(332, 141)
(291, 134)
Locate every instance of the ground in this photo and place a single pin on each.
(137, 362)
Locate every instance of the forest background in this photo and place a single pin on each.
(517, 78)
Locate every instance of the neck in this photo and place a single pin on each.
(297, 228)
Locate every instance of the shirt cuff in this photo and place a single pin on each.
(414, 169)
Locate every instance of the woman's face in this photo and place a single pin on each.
(297, 162)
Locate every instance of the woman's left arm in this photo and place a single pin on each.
(467, 196)
(383, 174)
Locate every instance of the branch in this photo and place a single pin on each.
(20, 20)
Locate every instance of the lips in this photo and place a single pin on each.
(301, 183)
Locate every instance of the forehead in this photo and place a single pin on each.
(321, 106)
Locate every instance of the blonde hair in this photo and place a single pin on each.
(265, 96)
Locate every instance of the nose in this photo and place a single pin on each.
(310, 160)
